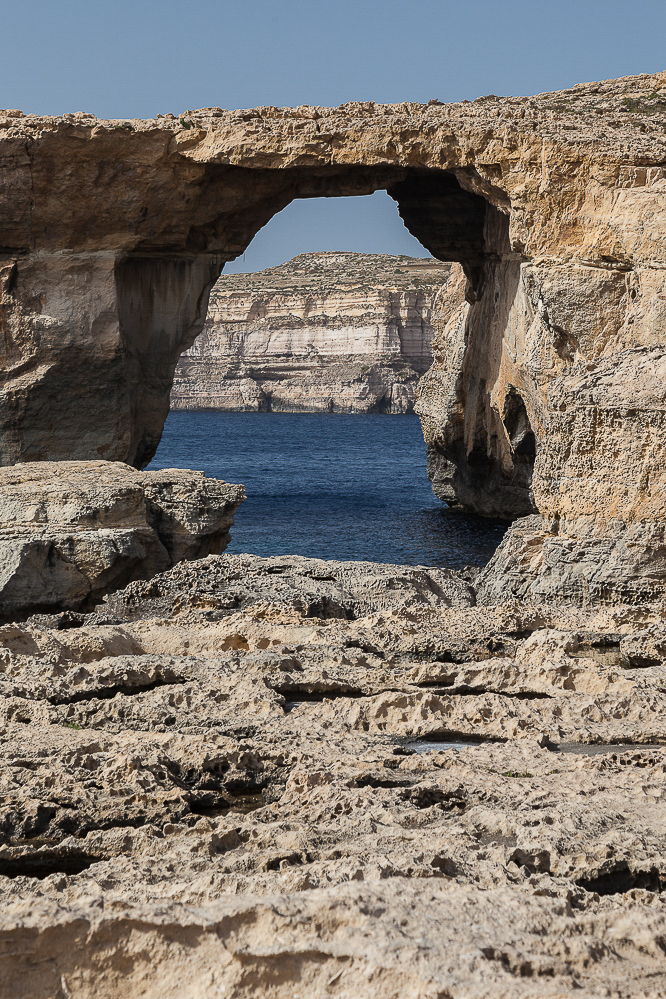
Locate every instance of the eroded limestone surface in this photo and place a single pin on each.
(572, 564)
(71, 531)
(211, 787)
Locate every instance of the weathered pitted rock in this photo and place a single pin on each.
(232, 801)
(553, 205)
(598, 563)
(336, 332)
(383, 940)
(204, 735)
(71, 531)
(644, 648)
(314, 587)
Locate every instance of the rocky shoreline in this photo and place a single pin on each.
(217, 774)
(240, 777)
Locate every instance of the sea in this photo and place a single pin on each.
(329, 485)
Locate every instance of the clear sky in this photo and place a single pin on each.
(134, 58)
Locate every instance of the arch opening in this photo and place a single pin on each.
(523, 445)
(342, 326)
(450, 212)
(452, 222)
(459, 233)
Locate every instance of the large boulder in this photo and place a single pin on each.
(72, 531)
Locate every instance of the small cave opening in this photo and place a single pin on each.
(491, 472)
(43, 863)
(521, 438)
(622, 878)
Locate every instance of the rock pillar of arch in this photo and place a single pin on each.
(91, 341)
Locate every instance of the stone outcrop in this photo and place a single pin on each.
(546, 394)
(284, 777)
(313, 587)
(72, 531)
(332, 332)
(623, 563)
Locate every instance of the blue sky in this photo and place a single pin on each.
(134, 58)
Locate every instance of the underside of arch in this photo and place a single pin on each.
(162, 292)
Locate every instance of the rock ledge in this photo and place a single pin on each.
(71, 531)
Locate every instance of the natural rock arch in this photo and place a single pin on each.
(113, 232)
(114, 405)
(107, 395)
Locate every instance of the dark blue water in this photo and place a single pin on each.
(329, 485)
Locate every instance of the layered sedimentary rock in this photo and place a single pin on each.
(71, 531)
(333, 332)
(114, 232)
(239, 779)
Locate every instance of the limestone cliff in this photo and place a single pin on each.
(339, 332)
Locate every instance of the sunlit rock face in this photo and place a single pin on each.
(113, 234)
(327, 332)
(71, 531)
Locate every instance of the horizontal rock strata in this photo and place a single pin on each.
(213, 784)
(72, 531)
(333, 332)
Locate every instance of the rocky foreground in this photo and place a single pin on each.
(331, 332)
(234, 780)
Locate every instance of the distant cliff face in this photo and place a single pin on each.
(343, 332)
